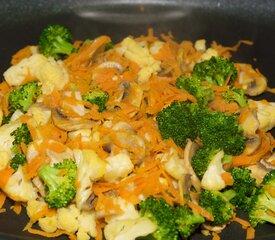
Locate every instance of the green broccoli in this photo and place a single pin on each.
(109, 45)
(21, 135)
(235, 94)
(177, 122)
(201, 160)
(97, 97)
(23, 97)
(17, 160)
(162, 214)
(187, 221)
(244, 186)
(55, 41)
(216, 71)
(219, 130)
(181, 120)
(60, 182)
(218, 204)
(263, 202)
(202, 92)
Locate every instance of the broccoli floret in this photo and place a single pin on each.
(200, 161)
(181, 120)
(21, 135)
(23, 97)
(55, 41)
(187, 221)
(263, 202)
(220, 130)
(60, 182)
(244, 186)
(201, 91)
(235, 94)
(97, 97)
(18, 159)
(218, 204)
(176, 122)
(162, 214)
(109, 45)
(216, 71)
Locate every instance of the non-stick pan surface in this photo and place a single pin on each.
(225, 21)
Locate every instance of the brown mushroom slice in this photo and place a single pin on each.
(70, 124)
(213, 228)
(38, 183)
(258, 171)
(251, 81)
(189, 151)
(253, 143)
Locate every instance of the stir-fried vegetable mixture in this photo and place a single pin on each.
(144, 137)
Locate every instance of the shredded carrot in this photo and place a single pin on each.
(21, 54)
(250, 234)
(198, 209)
(215, 236)
(17, 208)
(228, 179)
(2, 199)
(5, 176)
(242, 222)
(4, 88)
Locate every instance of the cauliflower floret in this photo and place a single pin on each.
(140, 55)
(5, 138)
(210, 52)
(40, 113)
(212, 179)
(87, 226)
(16, 74)
(67, 218)
(118, 167)
(266, 115)
(90, 168)
(129, 210)
(34, 206)
(200, 45)
(19, 188)
(53, 75)
(129, 229)
(48, 224)
(173, 165)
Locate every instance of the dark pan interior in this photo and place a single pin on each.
(225, 21)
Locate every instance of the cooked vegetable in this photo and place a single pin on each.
(55, 41)
(97, 97)
(60, 183)
(235, 94)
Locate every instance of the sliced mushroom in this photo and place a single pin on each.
(70, 124)
(189, 151)
(111, 64)
(258, 171)
(253, 143)
(213, 228)
(251, 81)
(37, 182)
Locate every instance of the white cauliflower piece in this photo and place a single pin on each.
(210, 52)
(129, 229)
(48, 224)
(173, 165)
(16, 74)
(5, 138)
(19, 188)
(86, 134)
(53, 75)
(5, 158)
(87, 226)
(265, 115)
(212, 179)
(140, 55)
(40, 113)
(200, 45)
(16, 115)
(129, 210)
(90, 168)
(67, 218)
(34, 206)
(118, 167)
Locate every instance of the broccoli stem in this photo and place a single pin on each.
(62, 46)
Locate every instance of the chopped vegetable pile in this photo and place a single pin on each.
(146, 137)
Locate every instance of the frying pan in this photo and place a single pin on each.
(225, 21)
